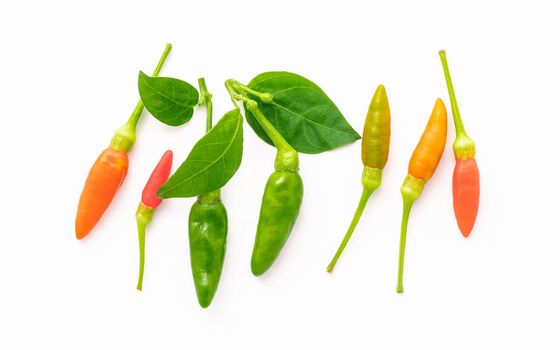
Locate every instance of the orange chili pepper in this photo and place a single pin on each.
(109, 170)
(428, 152)
(466, 178)
(423, 163)
(104, 179)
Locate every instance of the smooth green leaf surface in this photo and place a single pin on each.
(212, 162)
(301, 112)
(169, 100)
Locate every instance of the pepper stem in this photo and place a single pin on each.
(144, 215)
(277, 139)
(464, 146)
(407, 206)
(287, 158)
(411, 189)
(371, 180)
(125, 137)
(206, 98)
(233, 93)
(266, 97)
(459, 127)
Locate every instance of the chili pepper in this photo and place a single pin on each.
(375, 152)
(109, 170)
(208, 226)
(148, 205)
(423, 163)
(466, 178)
(281, 200)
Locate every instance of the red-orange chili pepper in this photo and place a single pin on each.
(466, 178)
(150, 201)
(423, 163)
(109, 170)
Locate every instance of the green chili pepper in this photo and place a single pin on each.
(281, 199)
(279, 210)
(207, 230)
(375, 152)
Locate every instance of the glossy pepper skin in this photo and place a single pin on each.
(466, 193)
(109, 171)
(280, 206)
(281, 200)
(466, 177)
(104, 180)
(208, 227)
(429, 150)
(375, 152)
(423, 163)
(377, 131)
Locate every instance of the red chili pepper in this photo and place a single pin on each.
(149, 203)
(109, 171)
(466, 178)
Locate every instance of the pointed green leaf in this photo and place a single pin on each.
(212, 162)
(301, 112)
(169, 100)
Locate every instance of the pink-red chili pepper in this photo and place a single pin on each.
(149, 203)
(466, 178)
(109, 171)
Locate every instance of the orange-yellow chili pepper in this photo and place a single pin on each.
(466, 178)
(423, 163)
(109, 170)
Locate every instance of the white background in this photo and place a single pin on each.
(68, 81)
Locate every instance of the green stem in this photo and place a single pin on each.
(266, 97)
(144, 215)
(407, 206)
(287, 158)
(464, 146)
(206, 98)
(459, 127)
(125, 137)
(277, 139)
(371, 180)
(411, 189)
(366, 194)
(162, 59)
(234, 94)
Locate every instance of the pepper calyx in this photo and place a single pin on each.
(412, 188)
(124, 139)
(464, 147)
(144, 214)
(210, 197)
(286, 160)
(371, 178)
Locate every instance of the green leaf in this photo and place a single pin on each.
(169, 100)
(301, 112)
(212, 162)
